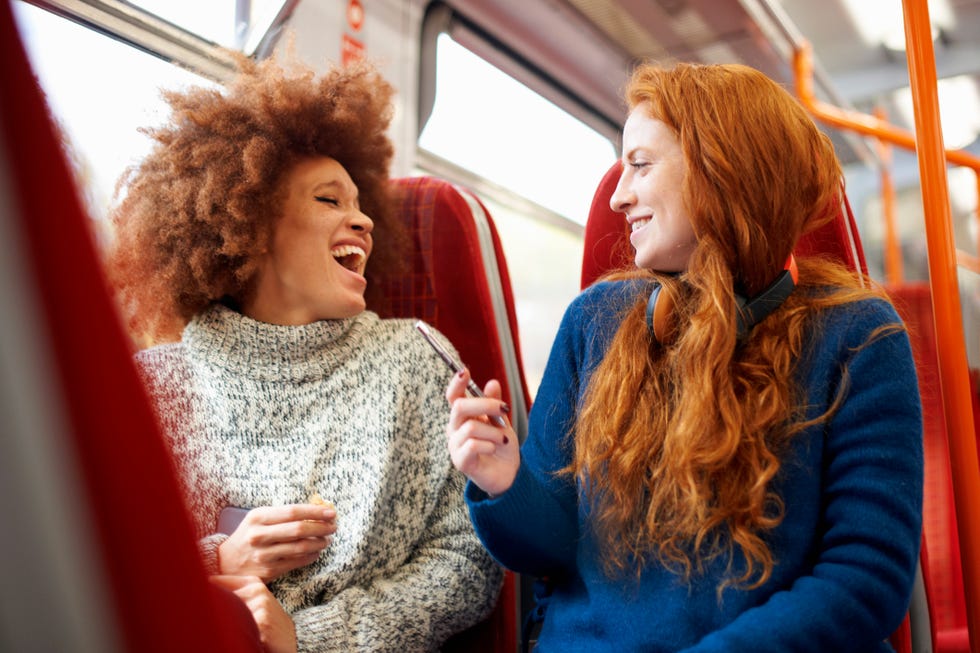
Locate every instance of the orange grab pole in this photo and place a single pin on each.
(894, 272)
(947, 313)
(874, 127)
(953, 372)
(860, 122)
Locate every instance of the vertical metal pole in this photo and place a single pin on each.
(951, 348)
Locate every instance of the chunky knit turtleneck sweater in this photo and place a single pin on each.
(259, 414)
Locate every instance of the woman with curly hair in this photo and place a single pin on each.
(725, 453)
(241, 249)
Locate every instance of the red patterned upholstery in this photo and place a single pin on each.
(448, 286)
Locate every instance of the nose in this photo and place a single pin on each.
(622, 198)
(359, 221)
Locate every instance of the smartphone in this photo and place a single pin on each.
(230, 518)
(456, 367)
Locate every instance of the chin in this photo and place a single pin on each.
(353, 309)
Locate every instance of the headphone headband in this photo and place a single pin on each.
(751, 312)
(748, 313)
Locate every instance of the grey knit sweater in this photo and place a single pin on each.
(260, 414)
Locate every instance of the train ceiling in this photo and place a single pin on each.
(854, 69)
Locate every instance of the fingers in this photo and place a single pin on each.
(269, 525)
(273, 540)
(297, 512)
(465, 407)
(457, 386)
(492, 389)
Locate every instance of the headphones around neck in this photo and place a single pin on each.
(749, 312)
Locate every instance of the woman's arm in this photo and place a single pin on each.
(446, 585)
(533, 527)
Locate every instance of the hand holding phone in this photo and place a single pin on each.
(456, 367)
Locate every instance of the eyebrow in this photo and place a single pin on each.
(335, 185)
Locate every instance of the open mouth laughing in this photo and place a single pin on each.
(351, 257)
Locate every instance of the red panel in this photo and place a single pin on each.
(161, 598)
(942, 570)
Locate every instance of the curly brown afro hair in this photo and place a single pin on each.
(200, 208)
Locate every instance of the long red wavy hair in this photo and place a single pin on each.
(677, 449)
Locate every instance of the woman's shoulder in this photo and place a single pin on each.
(604, 295)
(858, 317)
(839, 332)
(162, 356)
(164, 368)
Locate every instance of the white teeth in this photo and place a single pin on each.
(349, 256)
(639, 224)
(341, 251)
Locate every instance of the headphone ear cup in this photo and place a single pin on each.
(660, 315)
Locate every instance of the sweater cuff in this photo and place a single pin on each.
(486, 511)
(208, 547)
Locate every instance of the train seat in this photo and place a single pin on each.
(607, 245)
(941, 552)
(458, 282)
(607, 248)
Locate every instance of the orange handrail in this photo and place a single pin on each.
(894, 273)
(948, 317)
(875, 127)
(858, 122)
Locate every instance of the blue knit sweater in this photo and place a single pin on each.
(845, 553)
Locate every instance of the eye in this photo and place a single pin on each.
(327, 200)
(638, 165)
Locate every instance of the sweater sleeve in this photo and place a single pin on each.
(533, 528)
(857, 590)
(448, 583)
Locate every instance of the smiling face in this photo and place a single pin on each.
(313, 268)
(649, 194)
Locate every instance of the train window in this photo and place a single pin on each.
(534, 165)
(98, 114)
(239, 25)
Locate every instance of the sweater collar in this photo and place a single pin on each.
(227, 339)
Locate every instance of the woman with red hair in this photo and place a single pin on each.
(725, 453)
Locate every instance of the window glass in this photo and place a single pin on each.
(215, 20)
(495, 127)
(100, 92)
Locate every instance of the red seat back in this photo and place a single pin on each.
(607, 245)
(458, 282)
(942, 569)
(96, 513)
